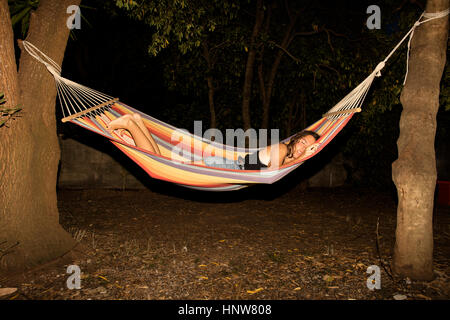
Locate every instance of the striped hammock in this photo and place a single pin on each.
(93, 110)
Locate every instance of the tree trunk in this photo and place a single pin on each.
(414, 172)
(210, 81)
(248, 78)
(273, 71)
(29, 149)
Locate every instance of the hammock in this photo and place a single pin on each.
(93, 110)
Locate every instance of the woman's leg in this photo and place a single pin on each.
(219, 162)
(138, 119)
(127, 122)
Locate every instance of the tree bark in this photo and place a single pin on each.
(248, 78)
(414, 172)
(29, 149)
(210, 82)
(273, 71)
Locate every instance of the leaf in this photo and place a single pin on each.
(10, 111)
(7, 291)
(18, 17)
(255, 291)
(328, 278)
(103, 278)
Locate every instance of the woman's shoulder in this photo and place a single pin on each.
(280, 147)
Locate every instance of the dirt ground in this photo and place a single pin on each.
(257, 244)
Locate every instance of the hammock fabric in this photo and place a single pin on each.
(93, 110)
(175, 162)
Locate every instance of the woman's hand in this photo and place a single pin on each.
(310, 150)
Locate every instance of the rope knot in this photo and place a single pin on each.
(51, 65)
(436, 15)
(378, 68)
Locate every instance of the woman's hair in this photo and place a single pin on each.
(297, 137)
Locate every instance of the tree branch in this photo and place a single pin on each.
(329, 40)
(329, 67)
(285, 51)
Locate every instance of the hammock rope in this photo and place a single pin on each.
(93, 110)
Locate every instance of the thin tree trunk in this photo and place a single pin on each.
(248, 78)
(265, 31)
(414, 172)
(292, 114)
(273, 71)
(29, 149)
(210, 81)
(212, 109)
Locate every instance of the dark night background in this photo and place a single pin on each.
(110, 54)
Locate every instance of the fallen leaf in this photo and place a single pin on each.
(319, 264)
(400, 297)
(7, 291)
(328, 278)
(255, 291)
(103, 278)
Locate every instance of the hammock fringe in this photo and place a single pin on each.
(82, 113)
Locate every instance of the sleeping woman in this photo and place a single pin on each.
(273, 156)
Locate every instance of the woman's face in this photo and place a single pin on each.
(301, 145)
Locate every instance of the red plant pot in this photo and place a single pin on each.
(444, 193)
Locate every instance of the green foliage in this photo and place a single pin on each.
(326, 66)
(184, 30)
(20, 13)
(6, 113)
(184, 22)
